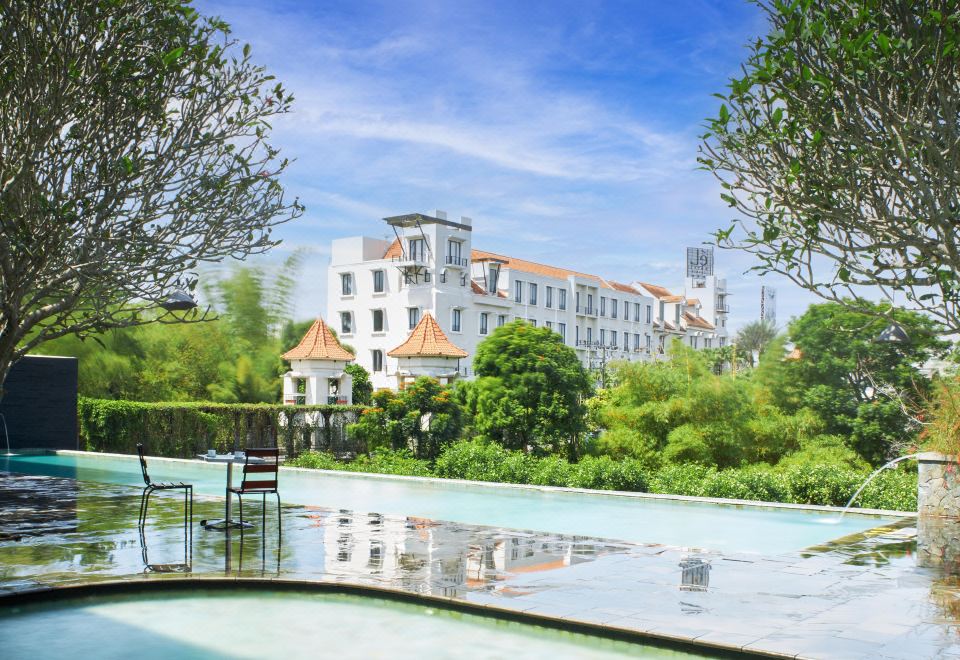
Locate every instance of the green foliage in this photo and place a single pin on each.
(801, 480)
(362, 387)
(529, 390)
(681, 411)
(234, 359)
(182, 430)
(383, 461)
(753, 339)
(822, 145)
(941, 430)
(423, 418)
(841, 368)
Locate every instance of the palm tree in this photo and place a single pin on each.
(754, 337)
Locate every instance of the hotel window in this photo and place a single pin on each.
(613, 308)
(548, 303)
(346, 323)
(636, 312)
(378, 281)
(533, 293)
(603, 305)
(694, 341)
(576, 335)
(455, 320)
(532, 322)
(562, 331)
(636, 342)
(663, 311)
(626, 341)
(378, 320)
(346, 284)
(723, 342)
(426, 276)
(548, 325)
(377, 360)
(413, 316)
(501, 320)
(649, 313)
(589, 335)
(518, 291)
(707, 342)
(589, 303)
(484, 320)
(577, 300)
(562, 298)
(454, 251)
(418, 249)
(613, 338)
(603, 336)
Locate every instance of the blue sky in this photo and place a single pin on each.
(568, 131)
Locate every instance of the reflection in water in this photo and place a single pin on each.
(176, 567)
(36, 505)
(695, 575)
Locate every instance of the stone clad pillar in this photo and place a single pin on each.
(938, 506)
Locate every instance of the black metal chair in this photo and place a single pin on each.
(260, 478)
(150, 487)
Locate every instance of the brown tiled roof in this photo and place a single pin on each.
(427, 340)
(693, 301)
(532, 267)
(318, 344)
(395, 250)
(657, 291)
(672, 299)
(698, 321)
(626, 288)
(476, 288)
(795, 354)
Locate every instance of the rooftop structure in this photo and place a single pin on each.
(380, 291)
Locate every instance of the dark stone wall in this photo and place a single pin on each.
(40, 404)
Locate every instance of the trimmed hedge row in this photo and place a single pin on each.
(815, 483)
(181, 430)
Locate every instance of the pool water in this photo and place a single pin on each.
(292, 625)
(726, 528)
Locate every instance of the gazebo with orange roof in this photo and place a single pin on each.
(317, 366)
(427, 352)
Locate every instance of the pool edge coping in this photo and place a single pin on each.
(887, 513)
(54, 593)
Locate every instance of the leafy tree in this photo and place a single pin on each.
(362, 387)
(682, 411)
(858, 386)
(133, 149)
(530, 390)
(838, 146)
(753, 338)
(424, 418)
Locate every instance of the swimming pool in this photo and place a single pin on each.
(727, 528)
(266, 623)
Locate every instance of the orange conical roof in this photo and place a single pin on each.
(318, 344)
(427, 340)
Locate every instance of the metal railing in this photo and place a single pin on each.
(454, 260)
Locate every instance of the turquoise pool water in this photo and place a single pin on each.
(727, 528)
(267, 624)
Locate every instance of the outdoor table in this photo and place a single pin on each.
(227, 521)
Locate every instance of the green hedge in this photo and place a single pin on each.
(813, 483)
(181, 430)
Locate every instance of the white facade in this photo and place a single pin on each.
(379, 289)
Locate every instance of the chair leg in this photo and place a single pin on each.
(146, 504)
(279, 515)
(142, 516)
(240, 498)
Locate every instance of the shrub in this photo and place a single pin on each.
(475, 460)
(182, 430)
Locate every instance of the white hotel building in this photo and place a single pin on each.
(379, 290)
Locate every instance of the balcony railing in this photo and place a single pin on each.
(723, 309)
(454, 260)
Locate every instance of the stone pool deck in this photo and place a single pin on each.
(863, 596)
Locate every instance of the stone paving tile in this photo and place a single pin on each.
(862, 597)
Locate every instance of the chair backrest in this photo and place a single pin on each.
(261, 475)
(143, 464)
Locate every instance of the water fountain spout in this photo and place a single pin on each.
(871, 478)
(6, 434)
